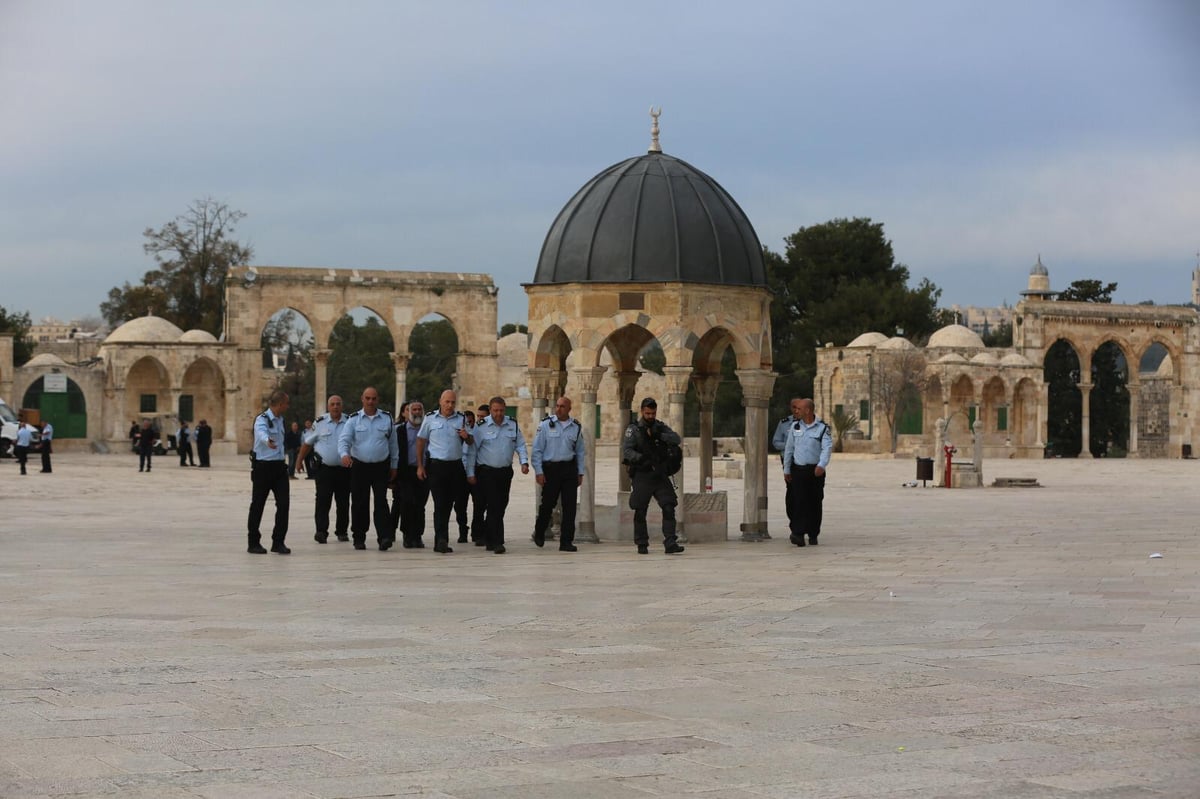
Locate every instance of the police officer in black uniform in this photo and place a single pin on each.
(641, 451)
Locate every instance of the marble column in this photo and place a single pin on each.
(626, 389)
(232, 394)
(118, 402)
(756, 396)
(400, 361)
(588, 381)
(1135, 391)
(706, 395)
(1085, 418)
(321, 371)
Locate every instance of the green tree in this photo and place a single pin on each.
(834, 281)
(1001, 336)
(18, 324)
(1088, 291)
(508, 328)
(359, 358)
(193, 252)
(434, 348)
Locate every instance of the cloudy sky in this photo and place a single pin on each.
(447, 135)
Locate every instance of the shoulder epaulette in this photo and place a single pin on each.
(356, 413)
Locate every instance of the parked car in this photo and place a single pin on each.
(8, 430)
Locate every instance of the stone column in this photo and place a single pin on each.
(939, 454)
(1135, 391)
(321, 370)
(626, 388)
(756, 396)
(706, 394)
(1043, 409)
(1085, 417)
(588, 380)
(231, 404)
(677, 378)
(118, 402)
(400, 361)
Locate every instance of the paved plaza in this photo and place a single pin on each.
(1006, 643)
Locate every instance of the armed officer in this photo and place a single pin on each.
(490, 470)
(333, 479)
(367, 447)
(641, 451)
(558, 466)
(441, 437)
(268, 475)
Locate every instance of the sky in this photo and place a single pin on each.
(447, 136)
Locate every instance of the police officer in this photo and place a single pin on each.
(640, 453)
(409, 494)
(490, 470)
(441, 438)
(779, 440)
(333, 479)
(367, 447)
(466, 491)
(268, 475)
(23, 443)
(44, 446)
(558, 466)
(805, 458)
(183, 443)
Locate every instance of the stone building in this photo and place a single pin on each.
(961, 380)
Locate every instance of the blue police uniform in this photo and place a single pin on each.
(490, 462)
(559, 456)
(268, 475)
(779, 442)
(808, 446)
(370, 442)
(333, 480)
(22, 444)
(445, 470)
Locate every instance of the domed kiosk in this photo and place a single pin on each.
(653, 249)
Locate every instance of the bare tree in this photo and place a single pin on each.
(900, 382)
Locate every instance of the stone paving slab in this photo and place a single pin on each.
(967, 643)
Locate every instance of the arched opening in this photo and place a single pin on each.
(146, 393)
(1064, 405)
(962, 411)
(553, 349)
(1109, 402)
(359, 356)
(933, 402)
(287, 344)
(994, 412)
(59, 400)
(434, 361)
(1156, 376)
(715, 360)
(203, 396)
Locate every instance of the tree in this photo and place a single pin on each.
(359, 359)
(508, 328)
(18, 324)
(834, 281)
(843, 422)
(1002, 336)
(1088, 291)
(434, 348)
(900, 382)
(194, 251)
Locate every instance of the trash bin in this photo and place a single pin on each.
(924, 469)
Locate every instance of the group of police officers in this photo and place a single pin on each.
(451, 456)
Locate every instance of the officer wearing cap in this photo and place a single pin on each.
(333, 479)
(640, 453)
(441, 439)
(367, 447)
(268, 475)
(779, 440)
(490, 470)
(558, 464)
(805, 458)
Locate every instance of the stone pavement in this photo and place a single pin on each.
(976, 643)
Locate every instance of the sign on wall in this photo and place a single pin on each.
(54, 384)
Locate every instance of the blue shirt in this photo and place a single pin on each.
(323, 438)
(495, 445)
(411, 439)
(370, 439)
(47, 432)
(808, 445)
(557, 441)
(779, 440)
(24, 435)
(268, 427)
(441, 436)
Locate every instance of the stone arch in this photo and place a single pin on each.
(1122, 345)
(552, 349)
(1064, 406)
(65, 410)
(994, 410)
(271, 354)
(933, 402)
(147, 377)
(204, 382)
(360, 351)
(1108, 401)
(962, 400)
(1172, 351)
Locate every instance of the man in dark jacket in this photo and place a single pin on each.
(203, 442)
(147, 437)
(409, 495)
(643, 452)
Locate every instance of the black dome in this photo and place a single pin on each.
(653, 218)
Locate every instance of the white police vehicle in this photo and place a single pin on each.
(8, 430)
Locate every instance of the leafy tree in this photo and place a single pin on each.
(1088, 291)
(1001, 336)
(508, 328)
(194, 251)
(359, 358)
(434, 348)
(299, 380)
(834, 281)
(843, 422)
(900, 382)
(729, 417)
(18, 324)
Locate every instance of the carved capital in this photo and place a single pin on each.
(677, 378)
(757, 385)
(626, 385)
(587, 378)
(400, 360)
(539, 382)
(321, 357)
(706, 390)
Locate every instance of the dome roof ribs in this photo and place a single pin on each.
(595, 232)
(678, 271)
(712, 226)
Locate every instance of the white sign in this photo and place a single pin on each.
(54, 384)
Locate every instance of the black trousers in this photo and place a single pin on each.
(647, 485)
(805, 493)
(466, 491)
(185, 454)
(202, 453)
(368, 498)
(22, 455)
(492, 496)
(267, 477)
(409, 497)
(562, 483)
(144, 456)
(445, 479)
(45, 454)
(333, 485)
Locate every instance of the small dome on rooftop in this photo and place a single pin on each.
(985, 359)
(868, 340)
(956, 336)
(46, 359)
(951, 357)
(1015, 359)
(197, 336)
(145, 330)
(897, 343)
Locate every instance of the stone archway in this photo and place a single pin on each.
(203, 395)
